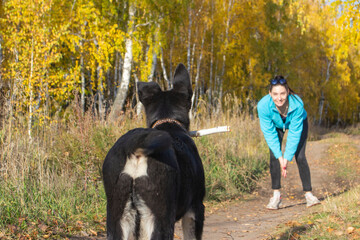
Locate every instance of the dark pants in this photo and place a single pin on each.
(301, 161)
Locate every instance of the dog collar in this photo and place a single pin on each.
(167, 120)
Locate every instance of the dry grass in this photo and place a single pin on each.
(51, 185)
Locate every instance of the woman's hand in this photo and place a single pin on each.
(283, 165)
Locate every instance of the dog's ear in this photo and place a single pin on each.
(182, 82)
(147, 89)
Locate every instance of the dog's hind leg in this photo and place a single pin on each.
(199, 220)
(193, 223)
(119, 211)
(188, 225)
(147, 220)
(128, 221)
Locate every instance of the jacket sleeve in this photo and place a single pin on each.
(294, 134)
(269, 130)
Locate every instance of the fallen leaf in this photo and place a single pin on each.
(102, 228)
(296, 235)
(46, 236)
(339, 233)
(92, 232)
(176, 236)
(43, 227)
(12, 228)
(330, 229)
(292, 224)
(350, 230)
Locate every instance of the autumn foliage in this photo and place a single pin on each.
(53, 52)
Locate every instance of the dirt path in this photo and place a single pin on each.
(249, 219)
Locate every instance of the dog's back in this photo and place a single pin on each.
(154, 177)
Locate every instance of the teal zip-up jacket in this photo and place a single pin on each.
(270, 119)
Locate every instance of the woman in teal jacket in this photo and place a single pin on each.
(281, 109)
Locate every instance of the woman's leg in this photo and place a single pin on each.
(301, 161)
(275, 165)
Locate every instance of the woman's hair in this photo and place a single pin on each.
(280, 80)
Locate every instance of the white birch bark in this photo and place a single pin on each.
(116, 72)
(126, 73)
(195, 96)
(139, 105)
(164, 69)
(170, 59)
(82, 76)
(189, 42)
(153, 67)
(211, 56)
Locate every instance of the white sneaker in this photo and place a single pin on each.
(274, 203)
(311, 200)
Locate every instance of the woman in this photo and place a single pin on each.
(281, 109)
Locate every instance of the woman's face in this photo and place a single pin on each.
(279, 95)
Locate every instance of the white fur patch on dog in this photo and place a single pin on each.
(136, 165)
(188, 225)
(128, 221)
(146, 220)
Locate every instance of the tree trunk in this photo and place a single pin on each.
(1, 57)
(100, 91)
(82, 76)
(211, 57)
(170, 59)
(139, 105)
(126, 73)
(117, 73)
(221, 79)
(322, 97)
(153, 67)
(164, 69)
(100, 87)
(30, 90)
(189, 41)
(195, 96)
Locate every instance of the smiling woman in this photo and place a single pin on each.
(282, 109)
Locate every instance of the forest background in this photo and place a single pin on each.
(54, 52)
(67, 91)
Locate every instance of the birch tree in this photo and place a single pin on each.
(126, 72)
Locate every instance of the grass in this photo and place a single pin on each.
(51, 185)
(338, 216)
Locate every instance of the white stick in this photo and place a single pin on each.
(204, 132)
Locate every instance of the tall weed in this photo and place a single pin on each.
(51, 183)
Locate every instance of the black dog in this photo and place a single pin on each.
(154, 176)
